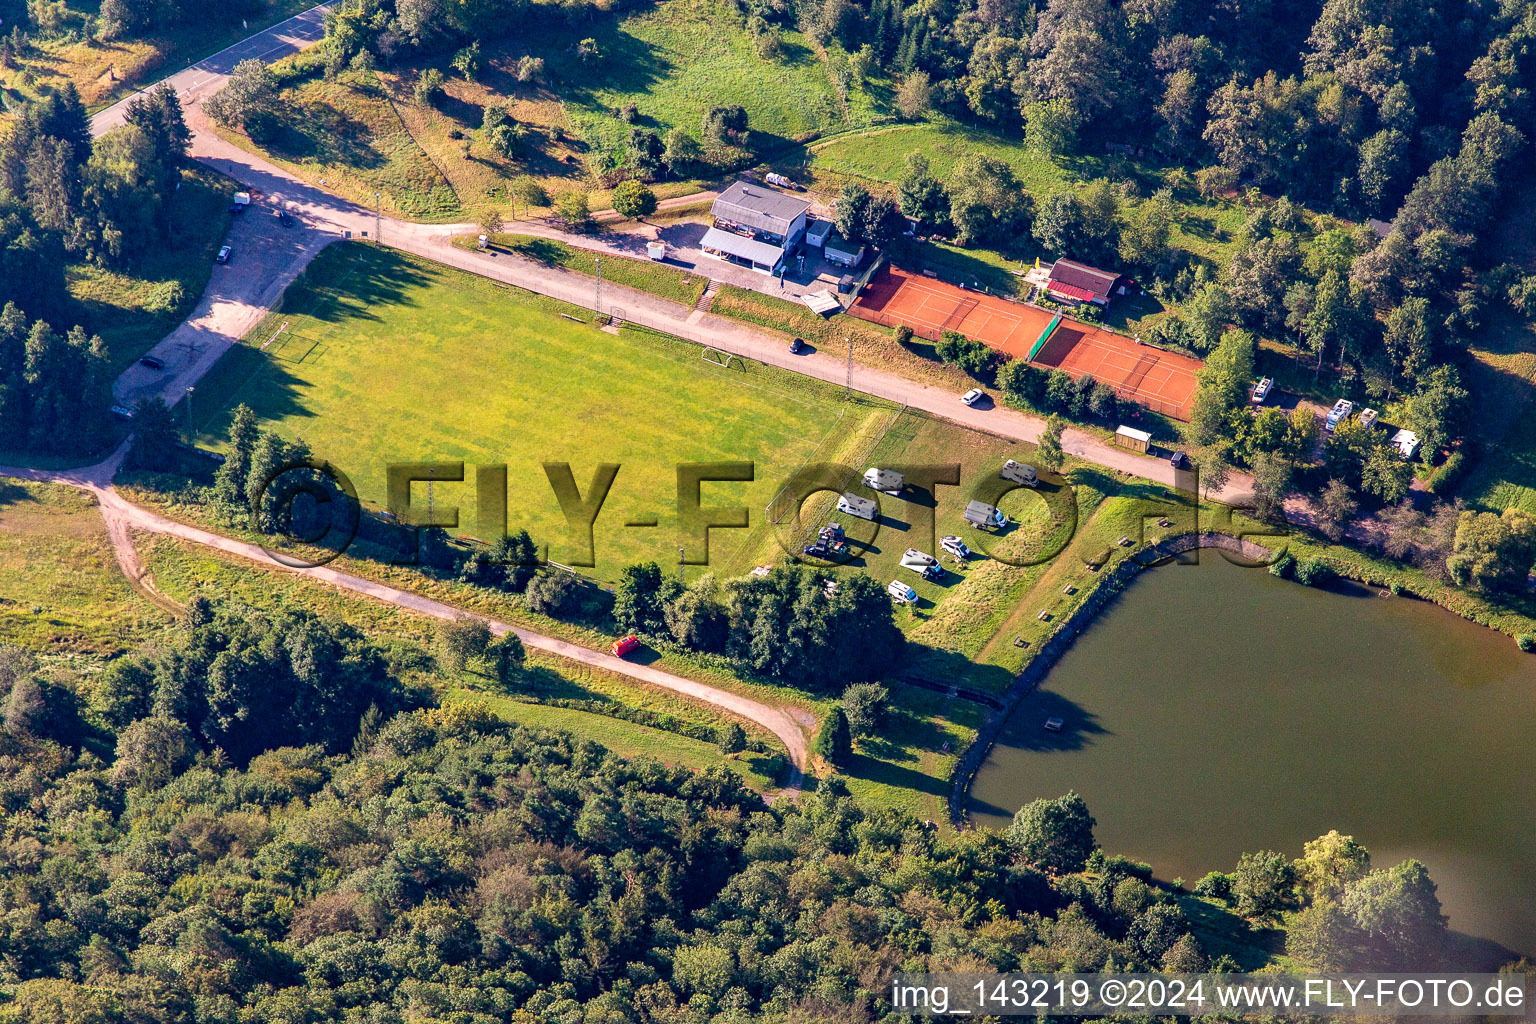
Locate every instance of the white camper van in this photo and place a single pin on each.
(922, 563)
(983, 516)
(955, 546)
(854, 505)
(887, 480)
(1020, 473)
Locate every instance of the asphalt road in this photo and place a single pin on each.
(203, 79)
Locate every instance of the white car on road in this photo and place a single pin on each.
(973, 396)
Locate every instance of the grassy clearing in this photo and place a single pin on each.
(908, 766)
(658, 279)
(679, 58)
(348, 135)
(133, 308)
(105, 72)
(388, 359)
(1501, 374)
(61, 591)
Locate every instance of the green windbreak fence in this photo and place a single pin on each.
(1045, 336)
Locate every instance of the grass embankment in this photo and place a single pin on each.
(643, 275)
(346, 134)
(873, 346)
(105, 72)
(61, 591)
(132, 308)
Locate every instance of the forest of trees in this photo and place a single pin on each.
(249, 823)
(65, 196)
(783, 626)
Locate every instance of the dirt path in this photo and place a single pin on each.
(123, 517)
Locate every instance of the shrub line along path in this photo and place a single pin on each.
(122, 517)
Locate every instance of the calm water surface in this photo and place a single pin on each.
(1213, 710)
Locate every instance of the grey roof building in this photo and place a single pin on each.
(761, 209)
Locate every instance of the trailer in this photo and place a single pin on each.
(982, 516)
(1130, 437)
(656, 250)
(853, 505)
(1368, 418)
(1020, 473)
(887, 480)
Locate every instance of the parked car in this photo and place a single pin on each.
(622, 648)
(1262, 389)
(900, 592)
(122, 412)
(151, 362)
(223, 256)
(797, 346)
(973, 396)
(1180, 461)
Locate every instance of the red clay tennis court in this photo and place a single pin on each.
(1160, 380)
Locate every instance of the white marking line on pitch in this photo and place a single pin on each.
(275, 333)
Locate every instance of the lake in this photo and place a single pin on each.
(1212, 710)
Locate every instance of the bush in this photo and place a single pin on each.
(1309, 572)
(731, 738)
(633, 199)
(1444, 476)
(834, 740)
(167, 297)
(556, 594)
(1526, 642)
(1284, 566)
(428, 87)
(866, 705)
(973, 357)
(1216, 885)
(903, 334)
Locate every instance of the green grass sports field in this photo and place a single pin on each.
(378, 358)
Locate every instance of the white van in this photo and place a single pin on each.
(887, 480)
(853, 505)
(1020, 473)
(982, 516)
(900, 592)
(955, 546)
